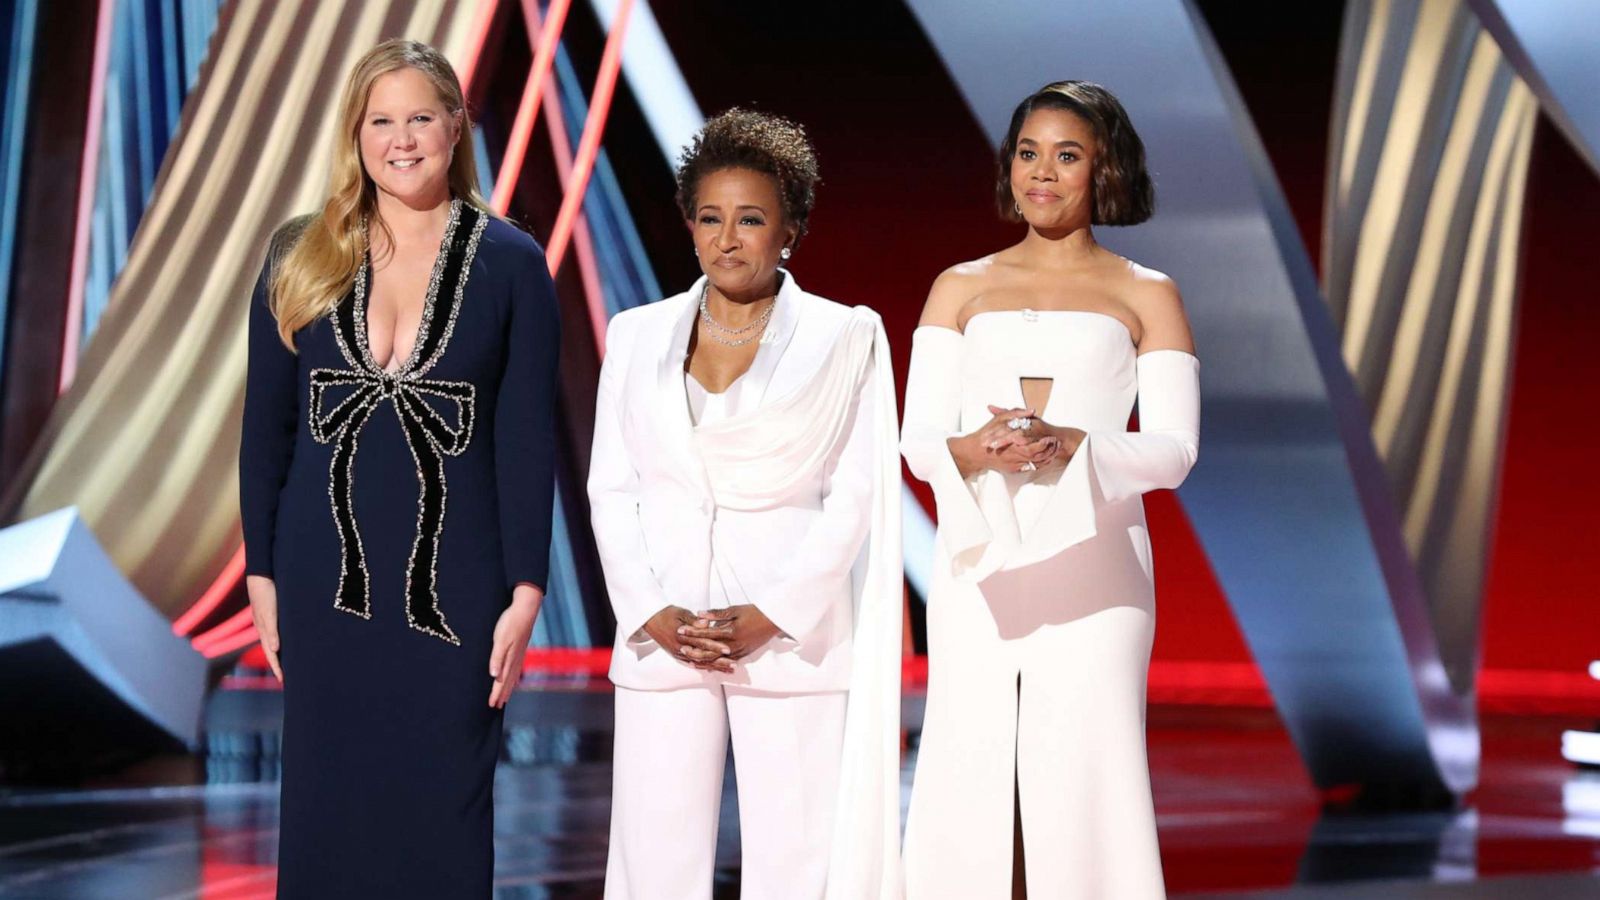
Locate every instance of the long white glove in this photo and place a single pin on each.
(1160, 454)
(933, 416)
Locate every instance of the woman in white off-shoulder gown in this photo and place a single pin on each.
(1031, 775)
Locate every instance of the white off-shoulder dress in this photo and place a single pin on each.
(1041, 612)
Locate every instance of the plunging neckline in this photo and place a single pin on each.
(364, 325)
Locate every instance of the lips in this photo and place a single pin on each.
(728, 263)
(404, 165)
(1042, 197)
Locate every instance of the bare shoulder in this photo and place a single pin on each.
(1146, 288)
(1154, 298)
(953, 289)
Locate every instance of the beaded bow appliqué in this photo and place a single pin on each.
(430, 435)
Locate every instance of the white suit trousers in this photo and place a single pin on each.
(667, 764)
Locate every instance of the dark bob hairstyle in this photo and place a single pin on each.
(1121, 188)
(745, 139)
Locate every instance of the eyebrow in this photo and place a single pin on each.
(759, 209)
(1068, 143)
(420, 109)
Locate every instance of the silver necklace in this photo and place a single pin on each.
(713, 326)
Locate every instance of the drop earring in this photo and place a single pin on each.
(1016, 206)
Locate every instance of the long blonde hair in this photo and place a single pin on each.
(316, 273)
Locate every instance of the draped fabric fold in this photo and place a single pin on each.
(754, 461)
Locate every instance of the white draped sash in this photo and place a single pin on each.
(755, 461)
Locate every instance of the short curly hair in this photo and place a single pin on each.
(746, 139)
(1121, 188)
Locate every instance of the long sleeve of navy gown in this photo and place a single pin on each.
(266, 442)
(524, 429)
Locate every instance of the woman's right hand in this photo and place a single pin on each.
(702, 653)
(263, 593)
(1000, 447)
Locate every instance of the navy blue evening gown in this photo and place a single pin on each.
(395, 514)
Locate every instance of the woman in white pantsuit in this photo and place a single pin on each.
(744, 501)
(1031, 774)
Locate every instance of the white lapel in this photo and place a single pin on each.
(671, 404)
(785, 316)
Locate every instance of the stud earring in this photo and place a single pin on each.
(784, 254)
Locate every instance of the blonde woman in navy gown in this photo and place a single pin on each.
(396, 483)
(1031, 776)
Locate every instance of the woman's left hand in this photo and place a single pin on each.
(511, 636)
(1067, 440)
(1044, 445)
(743, 629)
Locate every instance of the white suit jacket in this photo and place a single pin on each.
(655, 520)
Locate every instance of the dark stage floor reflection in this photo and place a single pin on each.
(1236, 815)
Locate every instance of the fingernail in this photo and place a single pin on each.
(683, 629)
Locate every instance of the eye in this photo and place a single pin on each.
(709, 219)
(752, 220)
(1068, 156)
(1026, 155)
(380, 121)
(422, 117)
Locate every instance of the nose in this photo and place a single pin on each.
(405, 138)
(727, 238)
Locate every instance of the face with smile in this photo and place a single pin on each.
(406, 138)
(1053, 168)
(739, 232)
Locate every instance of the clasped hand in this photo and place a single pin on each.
(713, 639)
(1037, 447)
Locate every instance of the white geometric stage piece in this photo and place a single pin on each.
(58, 586)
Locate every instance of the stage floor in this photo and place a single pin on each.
(1236, 815)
